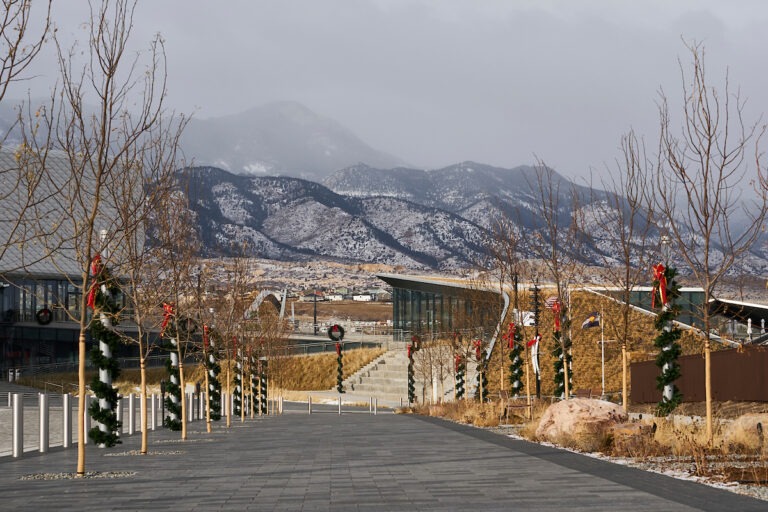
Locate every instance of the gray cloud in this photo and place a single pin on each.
(441, 81)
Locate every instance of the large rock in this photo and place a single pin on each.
(747, 431)
(574, 421)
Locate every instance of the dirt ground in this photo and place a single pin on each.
(362, 311)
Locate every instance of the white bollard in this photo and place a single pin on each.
(66, 418)
(191, 403)
(370, 405)
(375, 406)
(153, 422)
(18, 425)
(44, 421)
(86, 421)
(131, 414)
(309, 404)
(339, 404)
(119, 412)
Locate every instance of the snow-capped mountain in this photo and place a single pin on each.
(441, 219)
(282, 138)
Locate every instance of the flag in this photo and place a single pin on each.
(529, 318)
(592, 321)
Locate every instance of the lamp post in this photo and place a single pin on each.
(314, 318)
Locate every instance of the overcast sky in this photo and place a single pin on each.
(436, 82)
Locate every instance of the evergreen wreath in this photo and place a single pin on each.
(666, 340)
(169, 334)
(101, 299)
(213, 368)
(515, 340)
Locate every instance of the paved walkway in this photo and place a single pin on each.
(355, 461)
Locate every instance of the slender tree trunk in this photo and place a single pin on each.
(708, 385)
(624, 376)
(144, 434)
(183, 400)
(81, 406)
(227, 402)
(207, 397)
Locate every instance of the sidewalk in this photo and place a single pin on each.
(327, 461)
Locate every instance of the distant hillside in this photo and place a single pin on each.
(283, 138)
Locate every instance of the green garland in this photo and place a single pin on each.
(667, 343)
(172, 419)
(559, 341)
(516, 364)
(411, 377)
(481, 391)
(339, 367)
(105, 305)
(213, 368)
(253, 366)
(263, 385)
(461, 369)
(237, 403)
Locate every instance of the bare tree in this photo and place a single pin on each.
(19, 190)
(102, 110)
(624, 219)
(558, 245)
(701, 165)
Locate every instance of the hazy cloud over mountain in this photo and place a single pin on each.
(436, 82)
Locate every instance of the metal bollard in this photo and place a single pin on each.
(18, 425)
(44, 421)
(370, 405)
(190, 404)
(375, 406)
(86, 421)
(119, 415)
(339, 405)
(309, 404)
(66, 413)
(153, 422)
(131, 414)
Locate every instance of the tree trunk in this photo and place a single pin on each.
(183, 401)
(81, 406)
(624, 376)
(144, 434)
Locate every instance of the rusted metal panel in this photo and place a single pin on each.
(740, 375)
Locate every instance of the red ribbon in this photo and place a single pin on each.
(234, 344)
(338, 349)
(205, 337)
(409, 351)
(167, 314)
(556, 311)
(95, 269)
(478, 349)
(511, 336)
(457, 362)
(661, 288)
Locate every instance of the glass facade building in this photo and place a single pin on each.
(430, 308)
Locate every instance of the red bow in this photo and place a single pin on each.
(410, 351)
(95, 269)
(338, 349)
(661, 287)
(205, 337)
(234, 344)
(478, 349)
(457, 362)
(511, 336)
(167, 314)
(556, 311)
(533, 342)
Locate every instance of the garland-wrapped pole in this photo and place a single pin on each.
(103, 411)
(206, 350)
(665, 287)
(515, 344)
(237, 402)
(173, 387)
(482, 367)
(460, 368)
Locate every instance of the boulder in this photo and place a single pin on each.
(745, 432)
(569, 421)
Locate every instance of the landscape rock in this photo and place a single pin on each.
(573, 421)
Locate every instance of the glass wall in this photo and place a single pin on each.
(439, 311)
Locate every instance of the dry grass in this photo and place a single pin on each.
(299, 373)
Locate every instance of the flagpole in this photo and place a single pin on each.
(602, 349)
